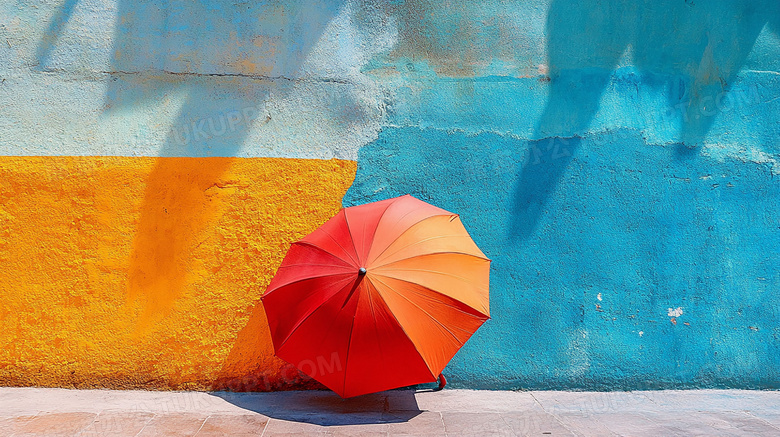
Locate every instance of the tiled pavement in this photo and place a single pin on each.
(57, 412)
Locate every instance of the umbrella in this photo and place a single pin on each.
(381, 296)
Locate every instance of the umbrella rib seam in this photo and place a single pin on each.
(330, 328)
(267, 292)
(407, 228)
(438, 293)
(431, 271)
(352, 238)
(428, 314)
(373, 235)
(429, 239)
(349, 342)
(310, 244)
(451, 252)
(308, 316)
(325, 231)
(314, 265)
(323, 250)
(475, 312)
(373, 317)
(427, 366)
(376, 328)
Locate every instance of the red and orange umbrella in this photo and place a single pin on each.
(381, 296)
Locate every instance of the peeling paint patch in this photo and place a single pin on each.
(675, 312)
(752, 154)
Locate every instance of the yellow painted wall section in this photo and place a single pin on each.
(147, 272)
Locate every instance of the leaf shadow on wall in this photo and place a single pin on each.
(49, 39)
(214, 74)
(689, 51)
(216, 64)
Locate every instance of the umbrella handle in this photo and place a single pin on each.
(442, 382)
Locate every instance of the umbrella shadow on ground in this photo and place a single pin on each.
(326, 408)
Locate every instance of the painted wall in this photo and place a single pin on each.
(618, 161)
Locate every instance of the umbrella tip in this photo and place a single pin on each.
(442, 382)
(362, 271)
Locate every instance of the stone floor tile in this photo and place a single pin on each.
(117, 423)
(633, 423)
(376, 429)
(745, 423)
(427, 423)
(335, 419)
(588, 403)
(475, 424)
(715, 400)
(535, 423)
(173, 425)
(277, 427)
(56, 424)
(585, 425)
(233, 425)
(772, 419)
(476, 400)
(10, 425)
(713, 423)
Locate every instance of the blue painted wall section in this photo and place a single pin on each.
(583, 284)
(624, 179)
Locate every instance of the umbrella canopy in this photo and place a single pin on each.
(381, 296)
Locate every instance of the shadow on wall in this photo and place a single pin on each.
(219, 59)
(214, 64)
(223, 59)
(49, 39)
(690, 50)
(455, 38)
